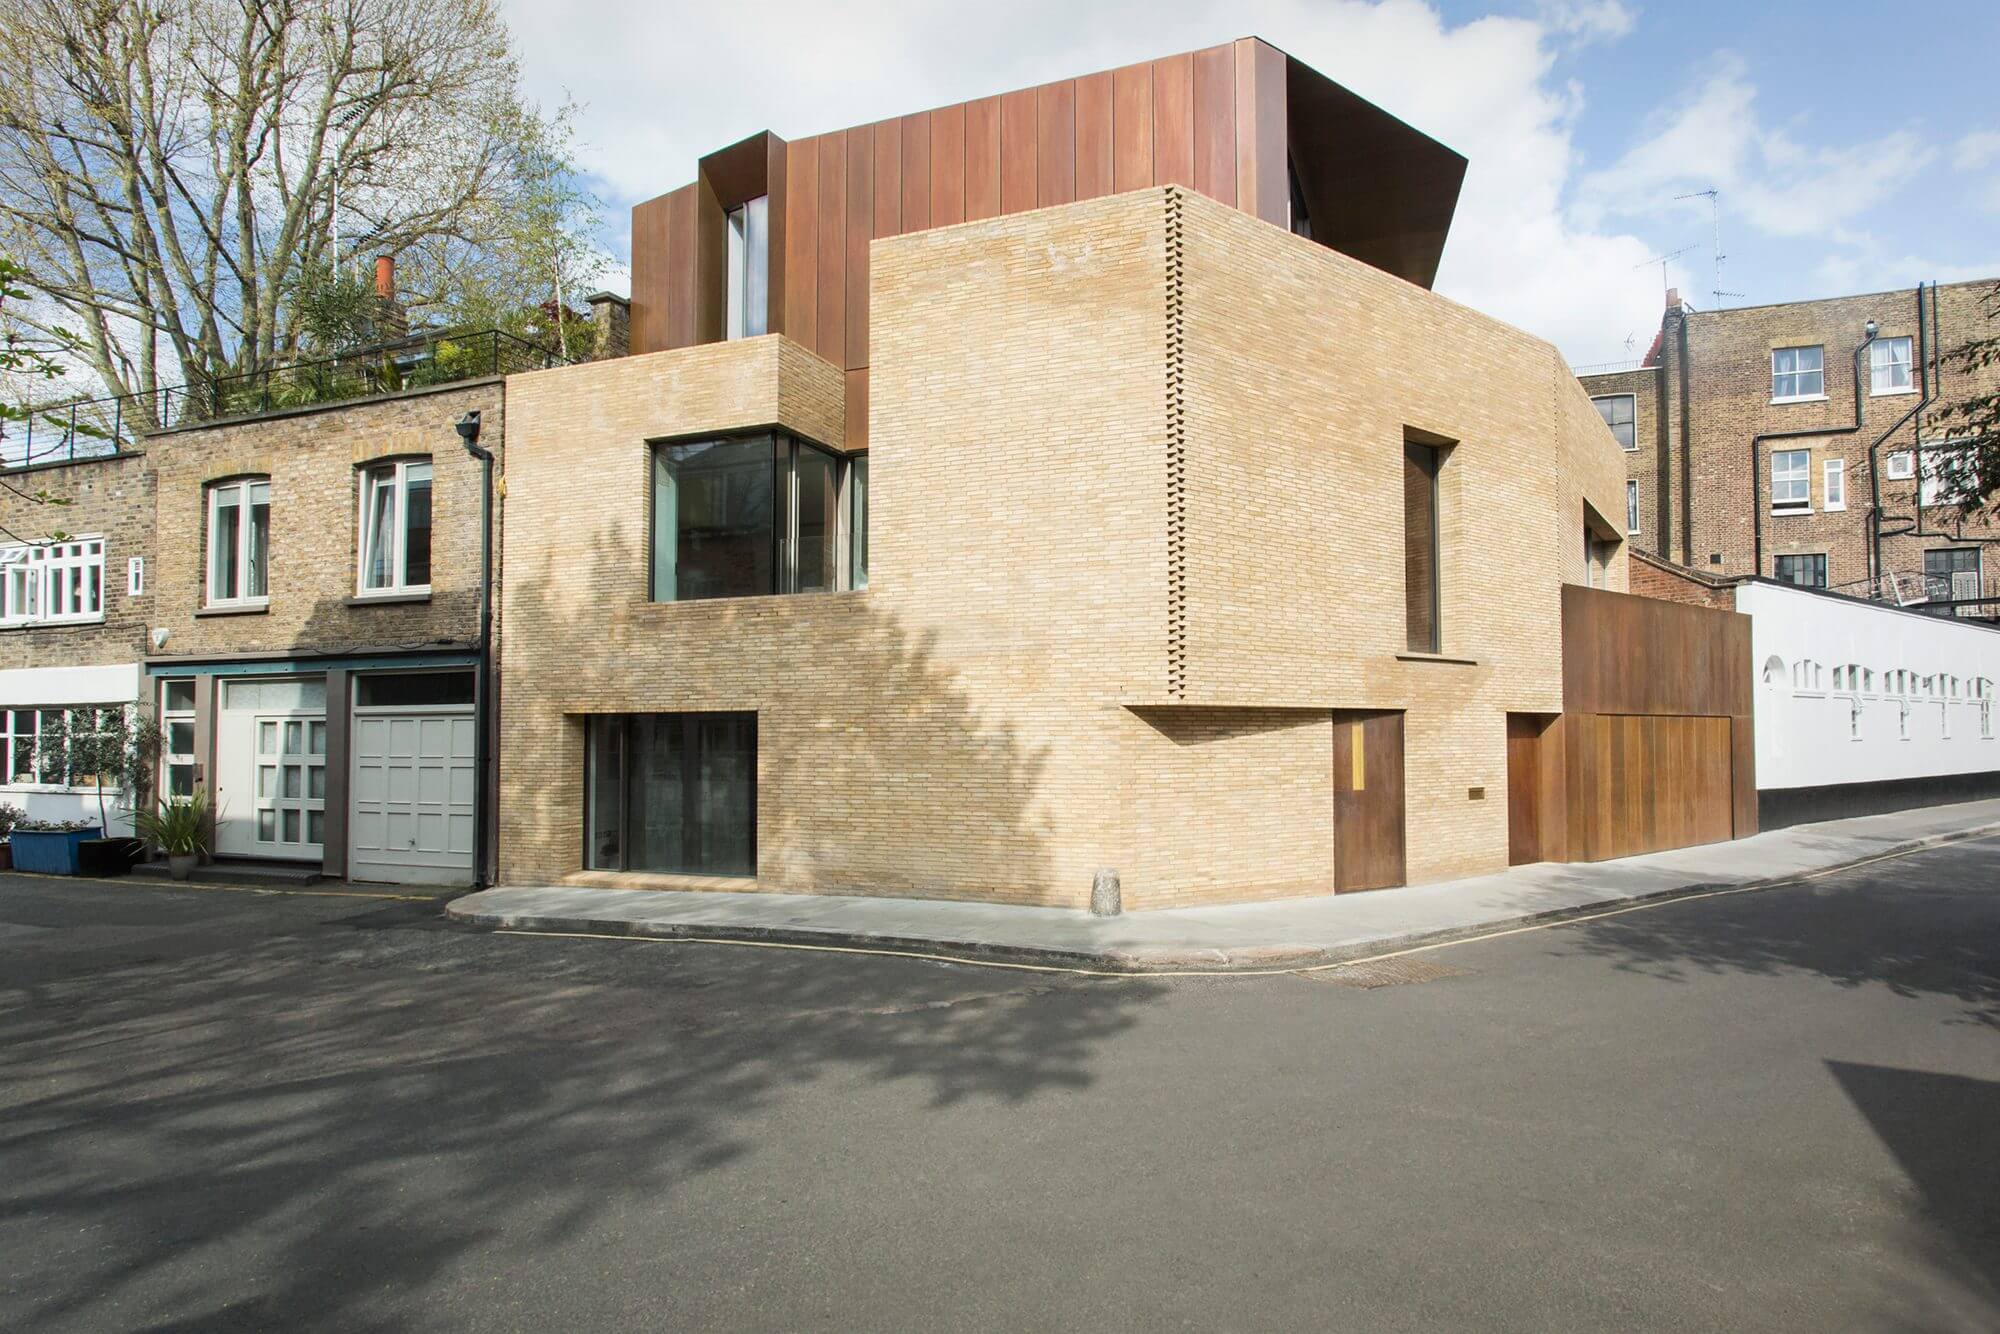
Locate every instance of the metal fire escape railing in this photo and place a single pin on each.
(88, 428)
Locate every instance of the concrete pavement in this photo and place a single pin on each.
(1247, 937)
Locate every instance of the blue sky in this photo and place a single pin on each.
(1855, 145)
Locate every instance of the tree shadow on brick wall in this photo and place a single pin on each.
(878, 773)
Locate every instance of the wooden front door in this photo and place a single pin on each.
(1367, 800)
(1529, 786)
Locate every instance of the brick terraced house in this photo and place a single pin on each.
(1081, 479)
(75, 593)
(1801, 442)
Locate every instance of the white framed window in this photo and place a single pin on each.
(1621, 415)
(1797, 373)
(135, 577)
(52, 583)
(1631, 507)
(1889, 366)
(1902, 466)
(1791, 479)
(34, 751)
(239, 542)
(395, 512)
(1950, 469)
(1833, 489)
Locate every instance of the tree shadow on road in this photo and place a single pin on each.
(308, 1131)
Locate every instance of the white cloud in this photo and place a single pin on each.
(1588, 20)
(1873, 272)
(664, 84)
(1769, 179)
(1978, 149)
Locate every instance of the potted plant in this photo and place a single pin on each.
(49, 846)
(112, 746)
(180, 827)
(9, 817)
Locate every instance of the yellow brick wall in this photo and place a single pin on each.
(1110, 442)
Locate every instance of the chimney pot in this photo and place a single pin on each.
(1673, 298)
(385, 277)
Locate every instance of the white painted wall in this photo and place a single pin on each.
(1815, 729)
(47, 687)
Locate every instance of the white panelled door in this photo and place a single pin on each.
(412, 796)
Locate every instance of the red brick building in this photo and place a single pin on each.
(1803, 442)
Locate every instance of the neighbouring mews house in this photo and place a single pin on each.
(1079, 479)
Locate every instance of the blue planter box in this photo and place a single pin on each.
(49, 853)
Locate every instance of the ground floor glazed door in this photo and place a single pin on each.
(1368, 850)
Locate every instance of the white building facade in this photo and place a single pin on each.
(1862, 706)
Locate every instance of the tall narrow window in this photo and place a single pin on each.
(1791, 479)
(239, 542)
(1889, 366)
(177, 754)
(857, 522)
(1797, 372)
(396, 527)
(749, 516)
(672, 793)
(1631, 507)
(1620, 413)
(1833, 475)
(1420, 546)
(747, 284)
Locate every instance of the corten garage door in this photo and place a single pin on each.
(1644, 782)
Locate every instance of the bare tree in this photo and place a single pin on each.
(168, 167)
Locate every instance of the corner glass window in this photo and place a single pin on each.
(674, 793)
(747, 284)
(749, 516)
(396, 527)
(857, 522)
(1621, 415)
(1798, 372)
(239, 542)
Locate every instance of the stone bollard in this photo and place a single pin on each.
(1105, 900)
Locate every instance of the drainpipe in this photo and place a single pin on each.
(1687, 433)
(1757, 449)
(468, 432)
(1924, 346)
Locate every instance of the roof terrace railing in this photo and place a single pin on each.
(87, 428)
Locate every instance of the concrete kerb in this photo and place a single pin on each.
(1273, 958)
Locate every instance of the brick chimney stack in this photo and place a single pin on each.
(392, 322)
(1673, 298)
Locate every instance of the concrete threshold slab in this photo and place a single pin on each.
(1253, 937)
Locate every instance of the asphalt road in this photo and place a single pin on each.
(1771, 1111)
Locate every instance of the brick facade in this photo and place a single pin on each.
(312, 458)
(109, 497)
(1656, 578)
(1135, 532)
(1711, 397)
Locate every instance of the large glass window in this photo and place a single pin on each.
(1797, 372)
(1621, 414)
(239, 542)
(52, 582)
(747, 295)
(1420, 546)
(1791, 479)
(752, 515)
(396, 527)
(674, 793)
(1889, 366)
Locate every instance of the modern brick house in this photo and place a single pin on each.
(1082, 478)
(1801, 442)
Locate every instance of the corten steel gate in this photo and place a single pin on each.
(1654, 747)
